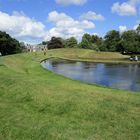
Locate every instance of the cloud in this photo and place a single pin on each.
(135, 27)
(66, 26)
(90, 15)
(27, 29)
(71, 2)
(128, 8)
(122, 28)
(124, 9)
(134, 2)
(20, 26)
(137, 24)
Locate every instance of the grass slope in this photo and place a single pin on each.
(90, 55)
(36, 104)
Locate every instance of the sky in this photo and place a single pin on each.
(34, 21)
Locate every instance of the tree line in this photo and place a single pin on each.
(9, 45)
(113, 41)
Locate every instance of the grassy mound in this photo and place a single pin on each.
(90, 55)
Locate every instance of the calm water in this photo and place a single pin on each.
(121, 76)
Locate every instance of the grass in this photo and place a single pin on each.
(90, 55)
(36, 104)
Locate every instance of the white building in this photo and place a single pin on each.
(36, 48)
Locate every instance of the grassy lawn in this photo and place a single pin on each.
(36, 104)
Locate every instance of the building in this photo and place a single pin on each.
(36, 48)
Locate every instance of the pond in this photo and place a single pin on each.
(120, 76)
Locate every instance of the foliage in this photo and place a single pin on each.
(86, 42)
(71, 42)
(130, 41)
(8, 45)
(45, 42)
(90, 42)
(111, 41)
(23, 47)
(55, 43)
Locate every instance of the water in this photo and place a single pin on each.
(121, 76)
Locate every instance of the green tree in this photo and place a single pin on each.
(71, 42)
(111, 41)
(95, 39)
(91, 42)
(8, 45)
(44, 42)
(97, 42)
(103, 47)
(130, 40)
(86, 42)
(55, 43)
(23, 47)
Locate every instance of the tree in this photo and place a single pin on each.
(130, 40)
(95, 39)
(44, 42)
(71, 42)
(97, 42)
(91, 42)
(8, 45)
(103, 47)
(23, 46)
(55, 43)
(112, 39)
(86, 42)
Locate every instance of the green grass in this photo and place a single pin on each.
(90, 55)
(36, 104)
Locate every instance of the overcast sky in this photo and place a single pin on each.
(33, 21)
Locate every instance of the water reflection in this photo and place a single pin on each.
(122, 76)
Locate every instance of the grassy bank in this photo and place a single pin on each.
(36, 104)
(90, 55)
